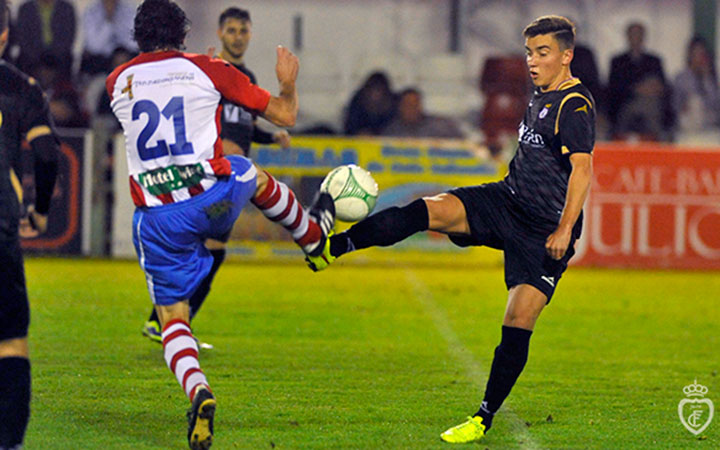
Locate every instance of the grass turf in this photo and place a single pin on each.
(371, 357)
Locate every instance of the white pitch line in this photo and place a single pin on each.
(461, 353)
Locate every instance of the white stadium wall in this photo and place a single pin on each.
(343, 39)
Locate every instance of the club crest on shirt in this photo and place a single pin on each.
(544, 111)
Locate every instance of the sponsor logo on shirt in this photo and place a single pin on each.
(168, 179)
(528, 136)
(168, 78)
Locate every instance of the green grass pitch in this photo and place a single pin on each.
(372, 357)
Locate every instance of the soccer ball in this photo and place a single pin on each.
(354, 191)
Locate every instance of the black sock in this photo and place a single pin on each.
(510, 358)
(382, 229)
(201, 293)
(14, 400)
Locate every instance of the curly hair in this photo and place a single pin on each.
(160, 24)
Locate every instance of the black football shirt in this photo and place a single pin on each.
(556, 124)
(23, 111)
(236, 122)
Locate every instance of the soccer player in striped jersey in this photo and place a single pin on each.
(185, 189)
(24, 114)
(534, 215)
(239, 129)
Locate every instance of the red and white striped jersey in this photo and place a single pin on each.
(168, 104)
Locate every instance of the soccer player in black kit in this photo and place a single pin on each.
(238, 130)
(534, 215)
(24, 113)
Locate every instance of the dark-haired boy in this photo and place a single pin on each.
(534, 215)
(185, 189)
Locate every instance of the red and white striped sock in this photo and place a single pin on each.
(181, 355)
(278, 203)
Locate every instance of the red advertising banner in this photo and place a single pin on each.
(652, 206)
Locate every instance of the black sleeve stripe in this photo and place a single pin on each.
(562, 103)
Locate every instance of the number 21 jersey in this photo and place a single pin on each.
(168, 104)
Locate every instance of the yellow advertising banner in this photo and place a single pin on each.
(404, 170)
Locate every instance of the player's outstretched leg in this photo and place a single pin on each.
(309, 230)
(385, 228)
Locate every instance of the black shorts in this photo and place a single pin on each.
(497, 221)
(14, 308)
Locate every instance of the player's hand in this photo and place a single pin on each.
(287, 66)
(32, 225)
(282, 137)
(210, 52)
(557, 243)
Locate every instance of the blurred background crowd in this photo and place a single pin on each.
(70, 46)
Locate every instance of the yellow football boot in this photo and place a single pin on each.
(469, 431)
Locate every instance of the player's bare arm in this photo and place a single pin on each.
(578, 188)
(282, 110)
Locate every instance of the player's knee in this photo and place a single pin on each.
(262, 181)
(17, 347)
(179, 310)
(521, 318)
(526, 322)
(212, 244)
(446, 213)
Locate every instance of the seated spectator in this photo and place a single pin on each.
(107, 25)
(696, 95)
(371, 107)
(639, 100)
(62, 97)
(45, 27)
(411, 120)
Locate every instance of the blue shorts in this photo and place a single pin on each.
(170, 239)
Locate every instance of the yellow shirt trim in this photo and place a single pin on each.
(17, 186)
(568, 97)
(569, 83)
(36, 132)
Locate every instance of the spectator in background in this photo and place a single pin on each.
(45, 27)
(696, 96)
(63, 98)
(584, 67)
(107, 25)
(372, 107)
(119, 56)
(639, 99)
(411, 120)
